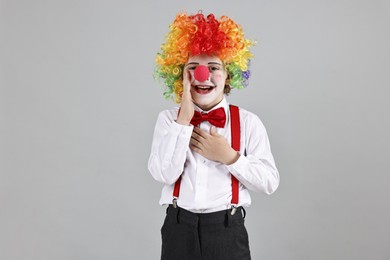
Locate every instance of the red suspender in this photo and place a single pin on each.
(235, 133)
(176, 190)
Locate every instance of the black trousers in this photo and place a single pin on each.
(208, 236)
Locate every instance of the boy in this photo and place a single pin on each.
(207, 153)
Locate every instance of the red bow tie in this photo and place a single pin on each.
(216, 117)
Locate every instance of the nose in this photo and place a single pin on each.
(201, 73)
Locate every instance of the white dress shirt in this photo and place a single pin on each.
(206, 185)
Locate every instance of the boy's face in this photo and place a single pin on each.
(206, 94)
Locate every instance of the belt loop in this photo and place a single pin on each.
(243, 212)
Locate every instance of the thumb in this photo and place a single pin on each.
(213, 130)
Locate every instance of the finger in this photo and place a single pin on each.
(196, 136)
(195, 142)
(196, 149)
(188, 73)
(200, 132)
(194, 139)
(187, 78)
(213, 130)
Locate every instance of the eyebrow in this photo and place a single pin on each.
(215, 63)
(210, 63)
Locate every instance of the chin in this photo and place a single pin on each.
(207, 103)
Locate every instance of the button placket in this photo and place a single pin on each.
(201, 180)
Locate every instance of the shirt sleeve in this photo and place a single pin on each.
(169, 147)
(255, 168)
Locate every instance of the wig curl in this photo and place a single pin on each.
(192, 35)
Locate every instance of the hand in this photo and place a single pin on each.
(213, 146)
(187, 104)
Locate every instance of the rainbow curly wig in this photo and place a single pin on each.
(191, 35)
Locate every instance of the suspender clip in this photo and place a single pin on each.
(234, 209)
(174, 202)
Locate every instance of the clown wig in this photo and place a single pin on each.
(191, 35)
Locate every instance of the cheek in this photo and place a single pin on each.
(218, 78)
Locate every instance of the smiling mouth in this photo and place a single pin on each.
(203, 89)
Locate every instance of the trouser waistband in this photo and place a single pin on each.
(220, 217)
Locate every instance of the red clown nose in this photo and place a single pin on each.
(201, 73)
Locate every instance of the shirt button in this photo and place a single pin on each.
(204, 161)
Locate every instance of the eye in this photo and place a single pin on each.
(191, 67)
(214, 68)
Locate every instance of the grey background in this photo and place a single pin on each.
(79, 103)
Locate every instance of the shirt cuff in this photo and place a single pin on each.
(235, 167)
(180, 129)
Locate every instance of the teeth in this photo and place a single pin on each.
(204, 87)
